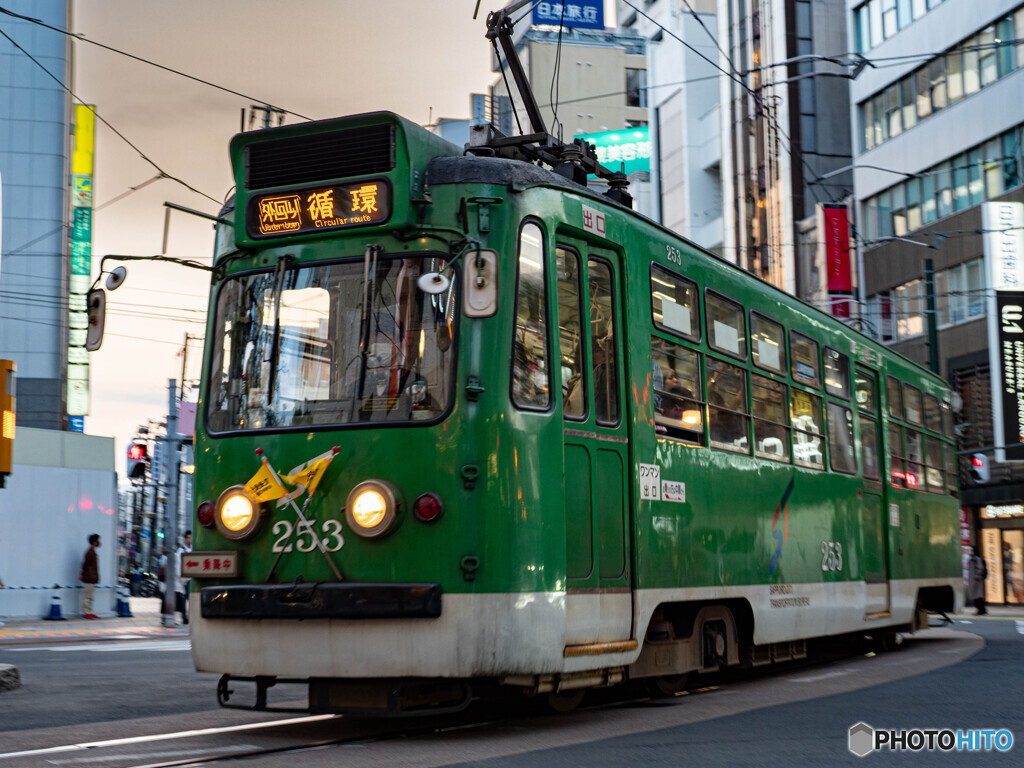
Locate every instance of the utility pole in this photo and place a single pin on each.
(172, 441)
(933, 333)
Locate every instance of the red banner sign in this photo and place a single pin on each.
(837, 248)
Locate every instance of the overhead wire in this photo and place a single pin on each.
(556, 71)
(82, 39)
(106, 122)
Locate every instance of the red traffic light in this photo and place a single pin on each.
(137, 452)
(978, 461)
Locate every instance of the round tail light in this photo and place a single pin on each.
(204, 513)
(427, 508)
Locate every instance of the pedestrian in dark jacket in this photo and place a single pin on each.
(90, 576)
(976, 574)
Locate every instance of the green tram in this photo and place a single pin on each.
(465, 421)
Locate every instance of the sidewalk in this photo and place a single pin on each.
(1012, 611)
(144, 621)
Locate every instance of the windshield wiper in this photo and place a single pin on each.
(366, 318)
(275, 341)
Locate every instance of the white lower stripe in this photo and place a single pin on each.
(168, 736)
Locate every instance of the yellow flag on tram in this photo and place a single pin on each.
(309, 476)
(265, 485)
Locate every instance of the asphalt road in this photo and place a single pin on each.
(796, 716)
(77, 683)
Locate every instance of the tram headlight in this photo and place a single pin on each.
(372, 508)
(238, 514)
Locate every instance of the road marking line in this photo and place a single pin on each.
(1020, 627)
(196, 753)
(147, 645)
(815, 678)
(167, 736)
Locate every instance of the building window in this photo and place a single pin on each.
(636, 88)
(987, 56)
(908, 305)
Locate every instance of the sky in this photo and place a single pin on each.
(317, 58)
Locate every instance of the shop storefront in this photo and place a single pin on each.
(1001, 539)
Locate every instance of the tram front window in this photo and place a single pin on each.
(331, 344)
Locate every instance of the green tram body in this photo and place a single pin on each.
(558, 563)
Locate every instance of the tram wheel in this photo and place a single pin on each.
(564, 702)
(666, 686)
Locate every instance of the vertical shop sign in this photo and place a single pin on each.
(1003, 226)
(81, 260)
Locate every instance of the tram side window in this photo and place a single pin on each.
(864, 391)
(771, 422)
(915, 457)
(898, 469)
(869, 449)
(768, 343)
(932, 414)
(947, 421)
(678, 407)
(892, 390)
(530, 387)
(726, 331)
(570, 334)
(837, 373)
(804, 352)
(805, 415)
(912, 404)
(840, 439)
(674, 304)
(933, 470)
(728, 419)
(603, 343)
(952, 471)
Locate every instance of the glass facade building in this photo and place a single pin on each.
(34, 170)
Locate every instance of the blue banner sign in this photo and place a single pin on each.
(585, 14)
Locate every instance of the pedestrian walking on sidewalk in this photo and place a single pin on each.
(90, 576)
(977, 572)
(181, 585)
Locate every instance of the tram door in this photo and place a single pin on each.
(596, 451)
(873, 518)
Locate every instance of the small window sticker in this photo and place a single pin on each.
(593, 221)
(672, 490)
(894, 515)
(650, 482)
(676, 317)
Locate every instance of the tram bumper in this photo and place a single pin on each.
(340, 600)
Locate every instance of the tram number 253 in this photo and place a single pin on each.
(306, 540)
(831, 556)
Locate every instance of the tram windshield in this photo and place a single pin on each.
(331, 344)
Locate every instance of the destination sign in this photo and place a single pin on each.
(318, 209)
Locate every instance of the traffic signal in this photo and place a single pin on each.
(138, 461)
(8, 374)
(979, 468)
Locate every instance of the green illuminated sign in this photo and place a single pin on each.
(630, 147)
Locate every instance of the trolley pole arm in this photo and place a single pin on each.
(499, 28)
